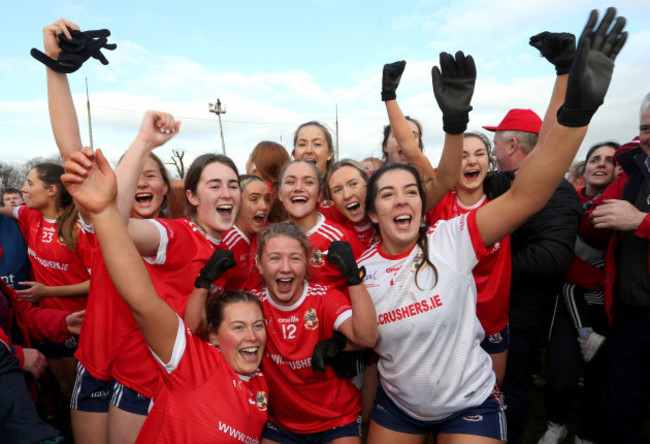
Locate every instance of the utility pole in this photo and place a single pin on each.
(216, 108)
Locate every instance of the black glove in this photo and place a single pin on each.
(390, 80)
(220, 261)
(592, 69)
(556, 47)
(453, 89)
(95, 51)
(347, 364)
(340, 254)
(327, 349)
(495, 184)
(78, 49)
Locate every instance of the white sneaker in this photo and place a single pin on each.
(554, 434)
(582, 441)
(590, 346)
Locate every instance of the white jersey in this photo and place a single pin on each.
(430, 360)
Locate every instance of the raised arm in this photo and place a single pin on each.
(157, 128)
(400, 128)
(559, 49)
(361, 328)
(408, 144)
(63, 116)
(538, 178)
(92, 183)
(219, 262)
(453, 88)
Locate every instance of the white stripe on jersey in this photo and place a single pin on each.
(330, 232)
(233, 236)
(369, 252)
(326, 230)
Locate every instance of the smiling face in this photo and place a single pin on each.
(392, 148)
(254, 208)
(150, 192)
(283, 265)
(37, 195)
(311, 145)
(216, 199)
(241, 336)
(398, 210)
(299, 192)
(475, 165)
(599, 170)
(348, 192)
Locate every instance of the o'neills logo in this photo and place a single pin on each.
(261, 401)
(316, 258)
(311, 319)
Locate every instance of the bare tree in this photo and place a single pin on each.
(13, 174)
(177, 161)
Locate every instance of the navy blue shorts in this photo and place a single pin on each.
(129, 400)
(89, 394)
(63, 349)
(497, 342)
(487, 419)
(276, 433)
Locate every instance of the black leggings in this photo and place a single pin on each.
(564, 363)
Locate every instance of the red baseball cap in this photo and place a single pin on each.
(519, 120)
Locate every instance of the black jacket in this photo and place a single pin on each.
(542, 250)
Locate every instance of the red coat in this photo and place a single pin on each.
(34, 322)
(609, 238)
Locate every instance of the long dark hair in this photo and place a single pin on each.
(66, 223)
(423, 240)
(194, 174)
(215, 310)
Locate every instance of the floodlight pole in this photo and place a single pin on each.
(216, 108)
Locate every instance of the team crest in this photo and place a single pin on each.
(316, 258)
(311, 319)
(261, 401)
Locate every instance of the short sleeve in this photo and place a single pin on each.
(457, 241)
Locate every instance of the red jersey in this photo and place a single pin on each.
(367, 234)
(108, 322)
(53, 263)
(320, 238)
(491, 274)
(203, 400)
(31, 321)
(245, 274)
(184, 250)
(303, 401)
(331, 213)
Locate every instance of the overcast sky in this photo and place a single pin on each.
(277, 64)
